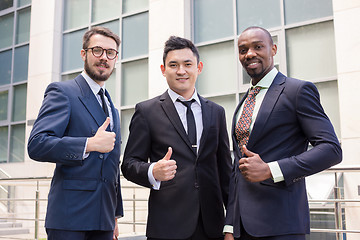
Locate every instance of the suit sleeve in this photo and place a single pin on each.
(135, 162)
(48, 141)
(316, 126)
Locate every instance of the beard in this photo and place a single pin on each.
(97, 76)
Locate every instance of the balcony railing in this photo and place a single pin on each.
(135, 203)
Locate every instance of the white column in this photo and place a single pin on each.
(347, 40)
(166, 18)
(44, 68)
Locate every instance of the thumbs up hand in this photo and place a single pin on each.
(165, 169)
(103, 141)
(252, 167)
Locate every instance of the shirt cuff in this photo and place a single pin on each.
(85, 154)
(228, 229)
(154, 183)
(276, 172)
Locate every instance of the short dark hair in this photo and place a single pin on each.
(101, 31)
(262, 29)
(176, 43)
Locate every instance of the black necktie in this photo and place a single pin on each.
(190, 122)
(103, 102)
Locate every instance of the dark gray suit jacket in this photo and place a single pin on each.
(201, 182)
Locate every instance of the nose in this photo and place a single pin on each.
(104, 56)
(181, 70)
(250, 53)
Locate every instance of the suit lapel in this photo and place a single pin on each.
(234, 122)
(206, 111)
(170, 111)
(266, 108)
(90, 102)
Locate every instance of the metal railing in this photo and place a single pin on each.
(338, 202)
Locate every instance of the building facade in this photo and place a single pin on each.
(40, 42)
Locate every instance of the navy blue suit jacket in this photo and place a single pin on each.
(290, 117)
(201, 182)
(85, 193)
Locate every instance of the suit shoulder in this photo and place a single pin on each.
(212, 104)
(149, 102)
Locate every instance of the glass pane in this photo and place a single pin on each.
(297, 11)
(76, 13)
(21, 62)
(216, 57)
(17, 143)
(329, 98)
(4, 105)
(19, 103)
(3, 144)
(6, 30)
(23, 26)
(5, 67)
(134, 5)
(72, 45)
(209, 22)
(311, 51)
(134, 82)
(113, 26)
(135, 35)
(23, 2)
(261, 13)
(101, 11)
(111, 85)
(69, 76)
(126, 116)
(229, 103)
(4, 4)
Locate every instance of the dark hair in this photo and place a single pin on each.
(176, 43)
(262, 29)
(101, 31)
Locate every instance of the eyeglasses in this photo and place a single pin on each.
(98, 52)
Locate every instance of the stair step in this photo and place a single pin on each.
(13, 231)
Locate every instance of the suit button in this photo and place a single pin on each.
(101, 156)
(197, 185)
(93, 132)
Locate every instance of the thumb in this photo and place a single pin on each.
(247, 152)
(105, 124)
(168, 154)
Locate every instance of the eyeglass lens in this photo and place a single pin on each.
(98, 52)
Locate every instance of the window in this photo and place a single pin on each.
(14, 58)
(128, 19)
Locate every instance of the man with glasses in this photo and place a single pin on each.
(78, 128)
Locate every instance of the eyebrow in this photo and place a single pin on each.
(255, 42)
(187, 60)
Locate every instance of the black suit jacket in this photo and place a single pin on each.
(290, 117)
(85, 193)
(201, 181)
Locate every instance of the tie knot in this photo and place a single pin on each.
(255, 91)
(101, 92)
(187, 103)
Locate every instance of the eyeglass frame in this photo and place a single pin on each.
(103, 49)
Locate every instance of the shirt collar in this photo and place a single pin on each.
(95, 88)
(174, 96)
(267, 80)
